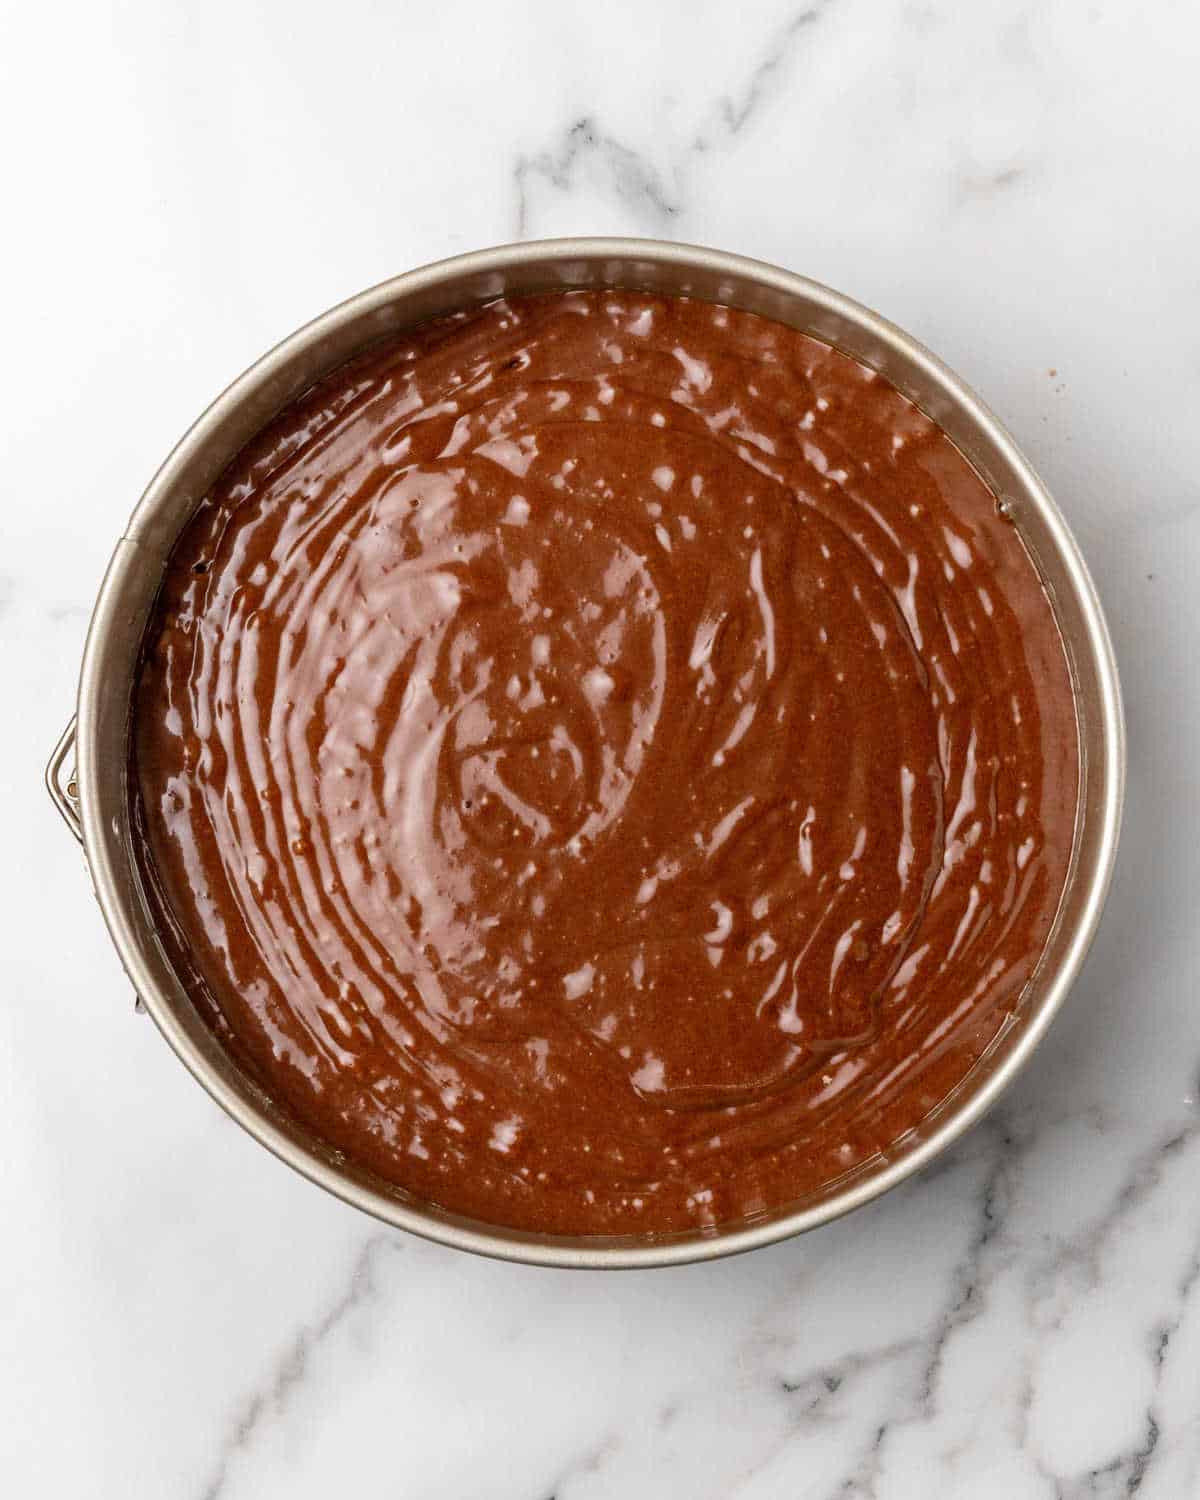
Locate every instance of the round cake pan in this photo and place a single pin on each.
(94, 797)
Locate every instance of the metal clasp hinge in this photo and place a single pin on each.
(60, 782)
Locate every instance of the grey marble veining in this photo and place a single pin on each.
(654, 193)
(1014, 183)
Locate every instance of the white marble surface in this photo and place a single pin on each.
(1019, 184)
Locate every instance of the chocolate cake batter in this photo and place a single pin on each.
(605, 763)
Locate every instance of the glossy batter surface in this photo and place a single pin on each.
(606, 762)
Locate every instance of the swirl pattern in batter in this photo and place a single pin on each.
(605, 763)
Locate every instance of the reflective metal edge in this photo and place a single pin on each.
(132, 580)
